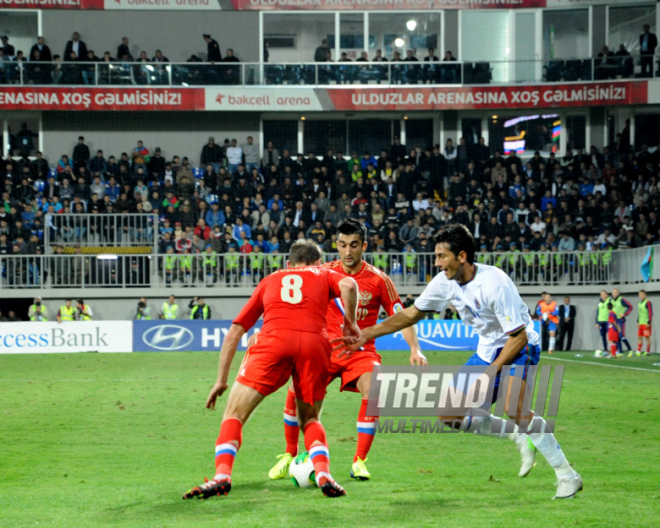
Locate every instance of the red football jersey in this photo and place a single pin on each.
(376, 290)
(292, 299)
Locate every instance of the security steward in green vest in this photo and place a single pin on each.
(200, 310)
(602, 316)
(169, 309)
(232, 263)
(274, 261)
(38, 311)
(66, 312)
(381, 259)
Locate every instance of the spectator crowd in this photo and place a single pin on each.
(79, 64)
(244, 199)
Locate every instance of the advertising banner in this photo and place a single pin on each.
(256, 99)
(183, 335)
(70, 336)
(382, 5)
(490, 97)
(110, 98)
(307, 99)
(51, 4)
(162, 5)
(207, 336)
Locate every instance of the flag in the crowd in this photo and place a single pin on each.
(647, 265)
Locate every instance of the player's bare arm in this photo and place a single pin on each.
(349, 296)
(512, 348)
(227, 353)
(404, 319)
(416, 356)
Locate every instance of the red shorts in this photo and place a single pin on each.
(278, 356)
(351, 367)
(612, 335)
(644, 330)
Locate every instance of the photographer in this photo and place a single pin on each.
(143, 312)
(38, 311)
(84, 311)
(200, 310)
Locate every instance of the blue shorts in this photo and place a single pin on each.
(529, 355)
(551, 325)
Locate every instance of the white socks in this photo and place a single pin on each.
(483, 425)
(544, 442)
(549, 448)
(551, 344)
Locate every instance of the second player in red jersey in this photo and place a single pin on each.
(354, 371)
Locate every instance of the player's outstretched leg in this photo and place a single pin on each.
(569, 481)
(226, 447)
(291, 434)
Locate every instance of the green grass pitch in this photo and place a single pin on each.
(93, 440)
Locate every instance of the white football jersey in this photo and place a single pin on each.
(490, 303)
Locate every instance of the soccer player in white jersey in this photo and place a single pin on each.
(486, 299)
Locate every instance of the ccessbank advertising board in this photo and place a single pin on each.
(66, 337)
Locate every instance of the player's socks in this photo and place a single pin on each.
(291, 428)
(639, 347)
(226, 447)
(626, 342)
(317, 446)
(549, 448)
(613, 349)
(551, 344)
(490, 425)
(366, 431)
(648, 349)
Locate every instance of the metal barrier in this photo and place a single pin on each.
(116, 230)
(234, 269)
(318, 73)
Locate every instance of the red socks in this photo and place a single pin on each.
(366, 430)
(291, 428)
(613, 348)
(316, 444)
(226, 447)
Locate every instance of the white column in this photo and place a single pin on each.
(402, 135)
(337, 35)
(301, 130)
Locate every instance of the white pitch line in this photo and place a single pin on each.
(602, 364)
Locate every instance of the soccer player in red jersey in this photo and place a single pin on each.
(294, 344)
(613, 331)
(376, 290)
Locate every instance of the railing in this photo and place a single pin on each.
(94, 230)
(324, 73)
(232, 269)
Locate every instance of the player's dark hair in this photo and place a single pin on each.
(610, 306)
(458, 238)
(351, 226)
(304, 251)
(642, 291)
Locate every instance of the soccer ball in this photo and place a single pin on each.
(598, 353)
(302, 471)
